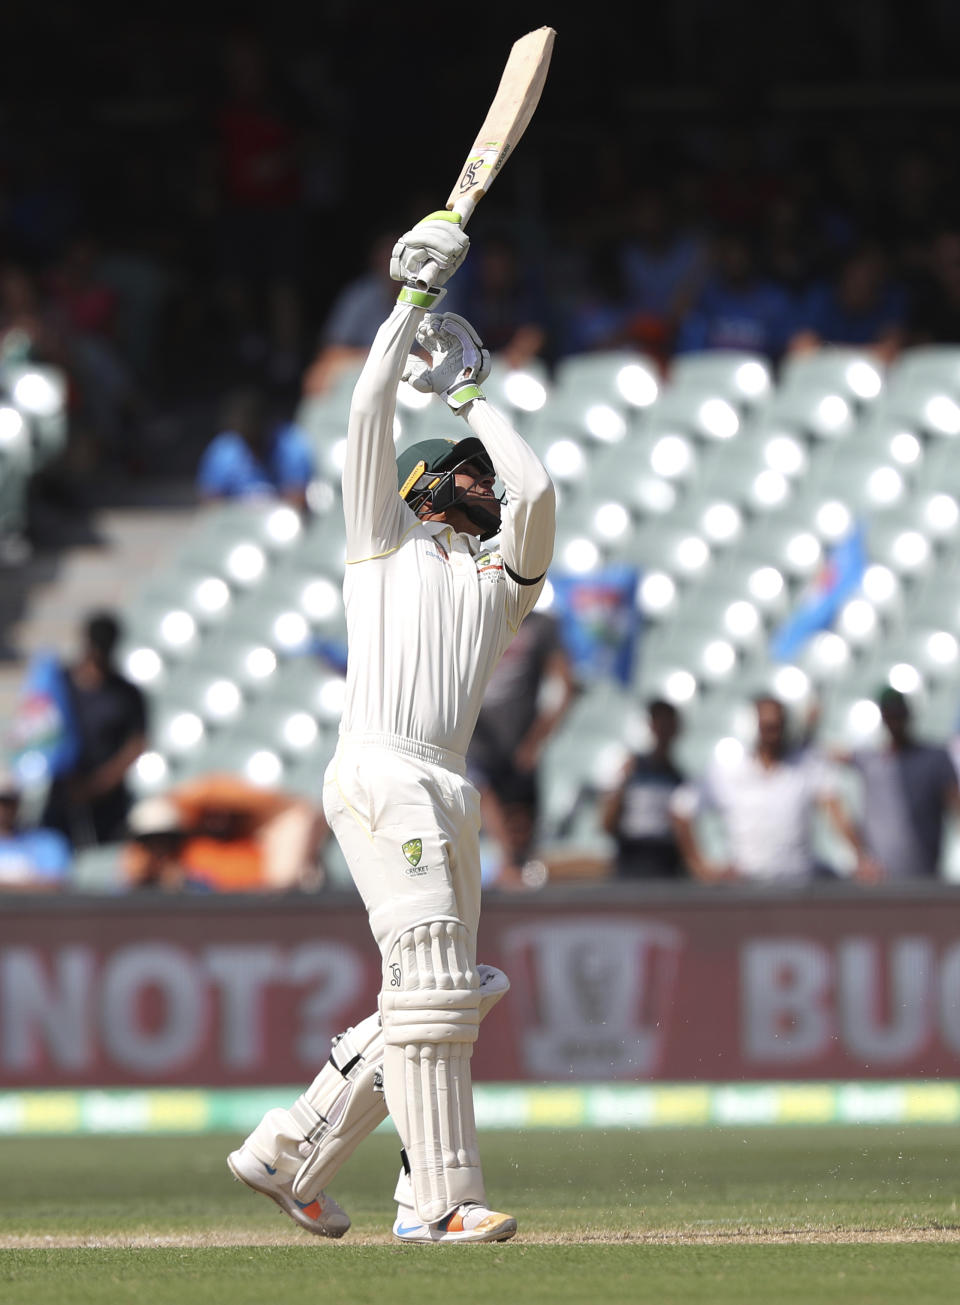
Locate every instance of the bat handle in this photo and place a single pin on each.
(464, 206)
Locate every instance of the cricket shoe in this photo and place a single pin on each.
(322, 1216)
(470, 1222)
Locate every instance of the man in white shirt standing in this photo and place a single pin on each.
(766, 801)
(429, 613)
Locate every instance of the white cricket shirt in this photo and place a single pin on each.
(430, 611)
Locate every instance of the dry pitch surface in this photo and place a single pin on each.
(868, 1215)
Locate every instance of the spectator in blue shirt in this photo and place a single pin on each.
(253, 457)
(739, 307)
(862, 305)
(30, 859)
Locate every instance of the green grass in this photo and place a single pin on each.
(829, 1215)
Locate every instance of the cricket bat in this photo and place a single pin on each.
(507, 119)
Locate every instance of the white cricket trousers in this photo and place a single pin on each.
(383, 794)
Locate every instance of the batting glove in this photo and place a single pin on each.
(437, 246)
(460, 362)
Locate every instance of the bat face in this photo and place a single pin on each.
(517, 96)
(507, 118)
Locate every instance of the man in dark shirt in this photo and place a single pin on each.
(519, 713)
(89, 803)
(908, 787)
(637, 813)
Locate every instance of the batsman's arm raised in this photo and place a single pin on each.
(528, 525)
(375, 516)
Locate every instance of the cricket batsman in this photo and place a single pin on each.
(429, 611)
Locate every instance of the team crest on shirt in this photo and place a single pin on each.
(413, 850)
(489, 566)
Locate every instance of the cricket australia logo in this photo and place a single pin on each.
(413, 850)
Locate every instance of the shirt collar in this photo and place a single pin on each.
(453, 540)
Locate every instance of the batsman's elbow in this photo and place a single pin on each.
(540, 491)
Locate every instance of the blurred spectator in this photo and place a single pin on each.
(663, 269)
(31, 859)
(499, 291)
(241, 838)
(107, 716)
(152, 855)
(637, 288)
(934, 312)
(739, 185)
(597, 314)
(354, 319)
(637, 812)
(908, 788)
(863, 305)
(525, 701)
(257, 140)
(253, 456)
(108, 404)
(28, 327)
(739, 307)
(766, 801)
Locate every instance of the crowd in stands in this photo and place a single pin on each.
(219, 833)
(205, 273)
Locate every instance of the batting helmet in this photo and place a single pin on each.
(427, 471)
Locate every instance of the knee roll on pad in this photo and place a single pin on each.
(431, 991)
(430, 1006)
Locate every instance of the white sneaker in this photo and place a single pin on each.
(468, 1223)
(322, 1216)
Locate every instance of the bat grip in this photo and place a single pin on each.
(464, 206)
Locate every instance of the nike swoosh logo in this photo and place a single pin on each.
(268, 1169)
(414, 1227)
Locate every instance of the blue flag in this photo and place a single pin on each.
(599, 621)
(837, 580)
(42, 738)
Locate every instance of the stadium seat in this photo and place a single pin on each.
(217, 698)
(160, 621)
(323, 546)
(854, 373)
(697, 411)
(234, 752)
(518, 391)
(17, 465)
(242, 656)
(602, 372)
(597, 398)
(936, 363)
(743, 379)
(39, 392)
(811, 412)
(292, 731)
(927, 407)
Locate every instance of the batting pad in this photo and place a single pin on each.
(342, 1106)
(430, 1008)
(325, 1125)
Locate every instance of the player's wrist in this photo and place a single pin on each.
(459, 397)
(415, 296)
